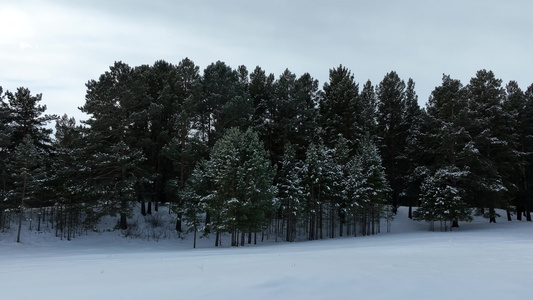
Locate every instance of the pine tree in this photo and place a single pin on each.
(491, 140)
(304, 122)
(290, 114)
(368, 100)
(5, 144)
(391, 106)
(225, 102)
(443, 199)
(261, 89)
(320, 175)
(368, 187)
(113, 161)
(447, 117)
(291, 192)
(24, 166)
(527, 116)
(152, 116)
(242, 193)
(413, 153)
(341, 207)
(445, 139)
(66, 180)
(196, 196)
(514, 105)
(184, 148)
(27, 118)
(281, 109)
(5, 124)
(340, 107)
(23, 118)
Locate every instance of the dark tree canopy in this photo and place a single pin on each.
(239, 152)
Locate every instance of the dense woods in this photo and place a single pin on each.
(238, 152)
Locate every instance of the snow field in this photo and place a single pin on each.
(478, 261)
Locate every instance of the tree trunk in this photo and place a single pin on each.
(20, 224)
(143, 207)
(40, 214)
(527, 207)
(2, 216)
(363, 223)
(320, 222)
(455, 224)
(288, 229)
(509, 217)
(21, 210)
(194, 243)
(492, 215)
(373, 221)
(31, 219)
(123, 218)
(178, 223)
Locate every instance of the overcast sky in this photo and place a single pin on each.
(55, 47)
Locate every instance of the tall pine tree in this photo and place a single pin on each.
(114, 163)
(491, 140)
(391, 106)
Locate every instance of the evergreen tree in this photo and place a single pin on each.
(490, 132)
(305, 120)
(320, 175)
(24, 166)
(368, 187)
(291, 192)
(196, 195)
(225, 103)
(369, 102)
(443, 199)
(66, 180)
(22, 118)
(447, 116)
(5, 124)
(527, 116)
(261, 89)
(114, 165)
(445, 139)
(27, 118)
(391, 107)
(341, 207)
(184, 148)
(290, 114)
(413, 153)
(281, 109)
(5, 144)
(340, 107)
(156, 106)
(242, 194)
(514, 105)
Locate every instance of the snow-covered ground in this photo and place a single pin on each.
(478, 261)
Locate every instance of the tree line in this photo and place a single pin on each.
(237, 152)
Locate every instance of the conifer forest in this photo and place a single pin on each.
(242, 152)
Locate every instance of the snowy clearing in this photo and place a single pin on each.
(478, 261)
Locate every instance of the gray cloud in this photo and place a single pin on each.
(55, 47)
